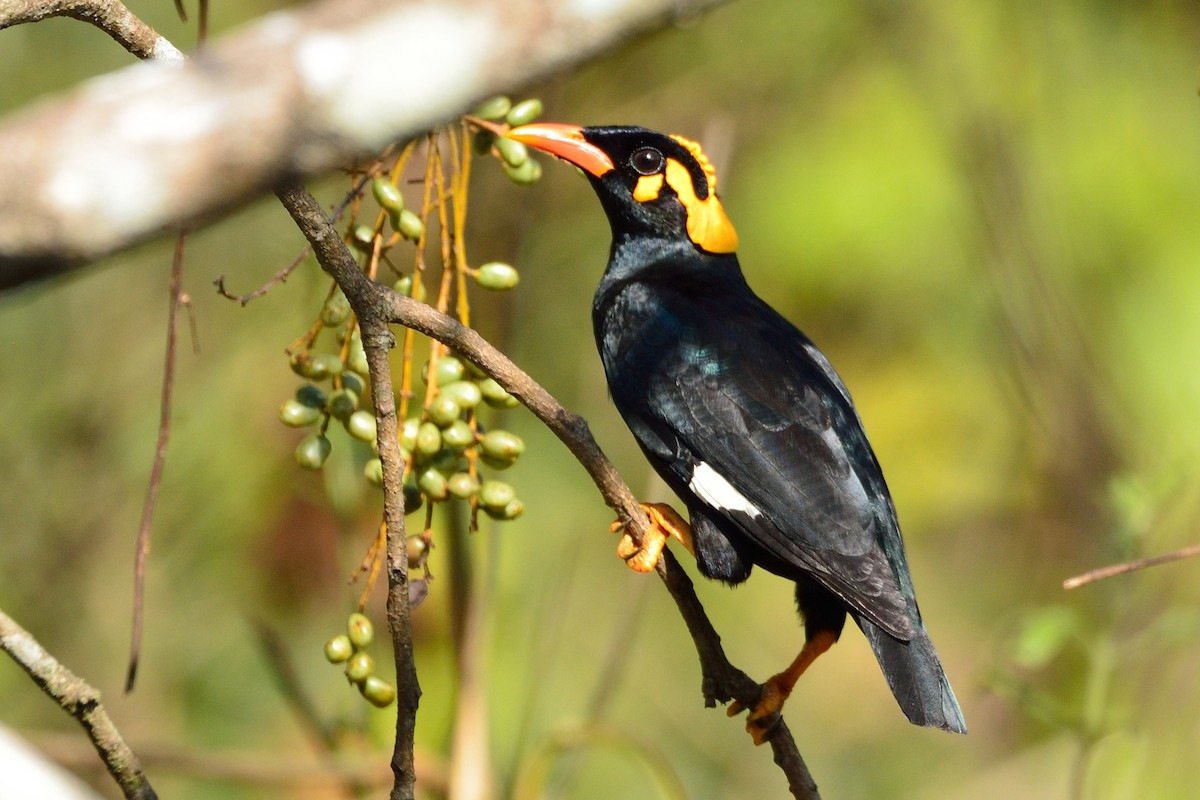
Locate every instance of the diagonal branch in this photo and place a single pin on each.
(81, 701)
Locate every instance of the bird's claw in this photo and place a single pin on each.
(764, 715)
(665, 523)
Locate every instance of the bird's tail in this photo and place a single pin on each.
(915, 674)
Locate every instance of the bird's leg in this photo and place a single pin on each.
(665, 523)
(778, 687)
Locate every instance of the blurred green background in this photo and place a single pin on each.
(988, 216)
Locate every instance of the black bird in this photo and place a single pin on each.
(743, 417)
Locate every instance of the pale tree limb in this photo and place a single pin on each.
(297, 93)
(110, 16)
(81, 701)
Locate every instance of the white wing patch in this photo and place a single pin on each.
(719, 493)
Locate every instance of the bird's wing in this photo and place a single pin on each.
(764, 435)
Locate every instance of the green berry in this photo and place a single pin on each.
(462, 485)
(361, 425)
(449, 370)
(363, 237)
(338, 649)
(511, 511)
(295, 414)
(497, 276)
(404, 286)
(311, 396)
(324, 366)
(525, 175)
(387, 195)
(513, 152)
(373, 472)
(377, 691)
(359, 667)
(442, 411)
(502, 445)
(496, 395)
(361, 631)
(415, 547)
(465, 393)
(409, 225)
(429, 439)
(496, 494)
(336, 310)
(342, 404)
(493, 108)
(312, 451)
(458, 436)
(433, 484)
(408, 433)
(353, 381)
(412, 499)
(524, 112)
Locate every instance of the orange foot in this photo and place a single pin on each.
(665, 523)
(775, 692)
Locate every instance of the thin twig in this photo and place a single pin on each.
(81, 701)
(1130, 566)
(160, 460)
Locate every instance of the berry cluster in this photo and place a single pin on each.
(350, 648)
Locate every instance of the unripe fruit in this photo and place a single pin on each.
(404, 286)
(433, 484)
(342, 404)
(336, 310)
(442, 411)
(373, 472)
(513, 152)
(462, 485)
(359, 667)
(312, 451)
(323, 366)
(409, 225)
(361, 425)
(465, 393)
(377, 691)
(524, 112)
(493, 108)
(496, 494)
(311, 395)
(525, 175)
(415, 547)
(408, 433)
(295, 414)
(354, 380)
(497, 276)
(496, 395)
(338, 649)
(429, 439)
(449, 370)
(502, 445)
(362, 238)
(458, 435)
(387, 195)
(511, 511)
(360, 629)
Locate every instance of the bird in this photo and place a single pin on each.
(744, 419)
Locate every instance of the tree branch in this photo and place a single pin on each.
(146, 149)
(721, 681)
(81, 701)
(110, 16)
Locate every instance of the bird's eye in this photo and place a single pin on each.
(646, 161)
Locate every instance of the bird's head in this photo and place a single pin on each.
(648, 182)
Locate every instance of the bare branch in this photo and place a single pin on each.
(81, 701)
(1130, 566)
(110, 16)
(147, 149)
